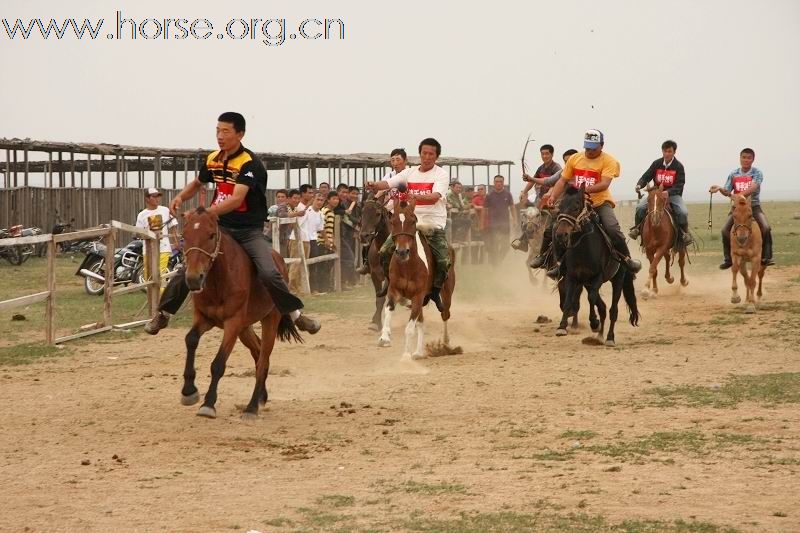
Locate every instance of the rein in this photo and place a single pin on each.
(748, 226)
(577, 225)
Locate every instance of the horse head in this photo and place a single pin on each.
(571, 212)
(373, 211)
(742, 218)
(404, 228)
(201, 235)
(532, 218)
(657, 202)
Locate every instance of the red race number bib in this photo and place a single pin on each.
(585, 177)
(742, 183)
(665, 178)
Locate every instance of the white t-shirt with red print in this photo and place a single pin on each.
(435, 180)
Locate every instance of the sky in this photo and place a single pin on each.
(716, 76)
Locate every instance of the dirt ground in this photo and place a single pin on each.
(522, 431)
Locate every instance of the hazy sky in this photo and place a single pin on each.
(716, 76)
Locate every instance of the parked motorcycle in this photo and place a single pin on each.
(16, 255)
(128, 266)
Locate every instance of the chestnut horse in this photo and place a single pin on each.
(374, 232)
(228, 295)
(746, 247)
(410, 279)
(658, 240)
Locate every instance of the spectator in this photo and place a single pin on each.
(344, 195)
(279, 210)
(346, 242)
(315, 231)
(459, 211)
(306, 194)
(157, 218)
(499, 206)
(479, 219)
(298, 243)
(324, 189)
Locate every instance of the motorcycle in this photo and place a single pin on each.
(16, 255)
(128, 266)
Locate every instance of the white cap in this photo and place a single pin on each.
(152, 190)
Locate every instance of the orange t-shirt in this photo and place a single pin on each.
(580, 169)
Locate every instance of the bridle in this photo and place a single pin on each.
(383, 213)
(656, 209)
(576, 223)
(214, 255)
(748, 226)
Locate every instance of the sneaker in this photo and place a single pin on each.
(725, 265)
(634, 265)
(634, 233)
(307, 324)
(537, 262)
(157, 323)
(520, 244)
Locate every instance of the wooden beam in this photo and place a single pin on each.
(133, 229)
(33, 239)
(109, 275)
(24, 300)
(80, 235)
(82, 334)
(50, 311)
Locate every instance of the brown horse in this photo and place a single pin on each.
(228, 295)
(658, 240)
(746, 247)
(411, 279)
(374, 232)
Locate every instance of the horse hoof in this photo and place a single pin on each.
(684, 282)
(417, 355)
(561, 332)
(736, 299)
(610, 343)
(249, 417)
(383, 343)
(670, 280)
(750, 309)
(191, 399)
(208, 412)
(374, 327)
(645, 295)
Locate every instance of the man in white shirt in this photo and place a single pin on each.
(398, 160)
(298, 244)
(157, 218)
(428, 183)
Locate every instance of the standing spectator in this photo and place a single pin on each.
(157, 218)
(328, 212)
(315, 231)
(279, 210)
(499, 206)
(346, 242)
(323, 189)
(298, 243)
(459, 210)
(344, 195)
(306, 194)
(479, 219)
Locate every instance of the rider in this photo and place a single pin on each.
(429, 184)
(547, 169)
(745, 180)
(594, 170)
(398, 160)
(670, 174)
(240, 203)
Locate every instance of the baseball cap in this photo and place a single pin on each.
(593, 139)
(151, 191)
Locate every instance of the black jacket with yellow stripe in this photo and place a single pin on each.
(240, 168)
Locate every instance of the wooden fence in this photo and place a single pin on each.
(304, 261)
(109, 237)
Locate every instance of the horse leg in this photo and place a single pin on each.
(577, 308)
(419, 353)
(654, 270)
(682, 264)
(667, 257)
(750, 283)
(380, 301)
(189, 394)
(650, 275)
(269, 329)
(735, 298)
(252, 342)
(595, 300)
(230, 333)
(616, 293)
(760, 280)
(566, 307)
(386, 333)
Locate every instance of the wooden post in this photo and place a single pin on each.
(337, 263)
(276, 234)
(102, 171)
(287, 167)
(157, 178)
(25, 156)
(118, 169)
(16, 183)
(50, 310)
(174, 173)
(140, 172)
(7, 180)
(509, 176)
(473, 176)
(71, 169)
(186, 171)
(89, 171)
(305, 282)
(109, 275)
(488, 171)
(153, 247)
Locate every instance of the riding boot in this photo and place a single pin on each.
(622, 249)
(726, 251)
(685, 237)
(547, 240)
(766, 250)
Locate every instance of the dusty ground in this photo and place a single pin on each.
(522, 431)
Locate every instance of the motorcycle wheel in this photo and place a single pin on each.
(92, 286)
(13, 255)
(25, 251)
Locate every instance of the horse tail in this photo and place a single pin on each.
(629, 291)
(287, 331)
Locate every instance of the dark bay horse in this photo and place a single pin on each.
(589, 262)
(658, 240)
(228, 295)
(411, 279)
(746, 242)
(374, 232)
